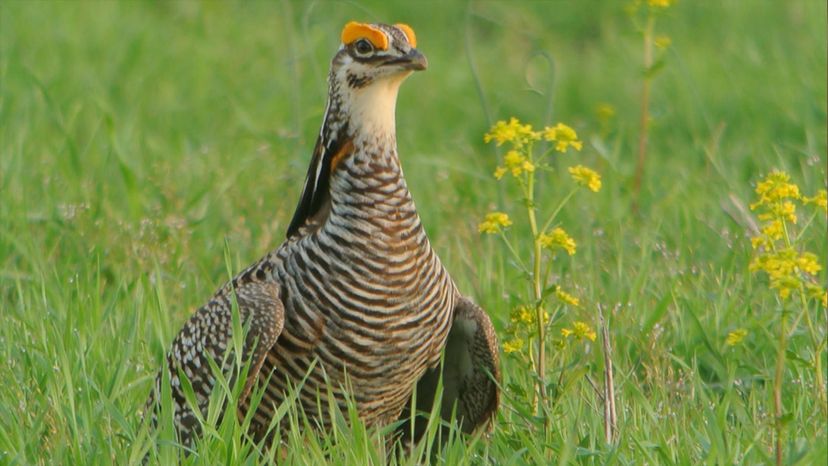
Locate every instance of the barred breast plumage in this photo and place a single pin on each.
(355, 303)
(362, 293)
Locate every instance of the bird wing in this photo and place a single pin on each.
(470, 372)
(209, 335)
(471, 367)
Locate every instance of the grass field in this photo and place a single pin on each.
(144, 146)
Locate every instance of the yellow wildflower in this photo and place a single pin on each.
(663, 42)
(735, 337)
(514, 161)
(814, 291)
(774, 229)
(494, 222)
(605, 112)
(525, 315)
(512, 131)
(501, 132)
(788, 269)
(558, 238)
(499, 172)
(513, 158)
(513, 345)
(660, 3)
(783, 209)
(586, 177)
(820, 200)
(775, 187)
(563, 136)
(522, 315)
(579, 330)
(807, 262)
(785, 267)
(566, 297)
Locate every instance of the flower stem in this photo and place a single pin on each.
(780, 365)
(538, 294)
(820, 386)
(644, 123)
(819, 382)
(777, 387)
(515, 254)
(557, 211)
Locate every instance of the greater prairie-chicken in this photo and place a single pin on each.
(355, 302)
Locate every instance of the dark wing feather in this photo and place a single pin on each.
(208, 335)
(310, 199)
(471, 371)
(316, 191)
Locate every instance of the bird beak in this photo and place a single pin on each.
(416, 60)
(413, 60)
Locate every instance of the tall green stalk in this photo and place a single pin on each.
(644, 120)
(777, 386)
(537, 287)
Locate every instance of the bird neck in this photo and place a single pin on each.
(372, 111)
(370, 129)
(364, 115)
(356, 148)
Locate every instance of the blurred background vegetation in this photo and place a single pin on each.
(137, 137)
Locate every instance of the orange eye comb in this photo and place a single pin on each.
(354, 31)
(409, 33)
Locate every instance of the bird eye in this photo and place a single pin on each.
(363, 47)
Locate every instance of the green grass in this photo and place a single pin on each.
(137, 138)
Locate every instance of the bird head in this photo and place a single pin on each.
(366, 73)
(365, 77)
(373, 52)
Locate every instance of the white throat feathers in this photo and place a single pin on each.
(373, 109)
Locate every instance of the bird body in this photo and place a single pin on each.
(362, 293)
(355, 304)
